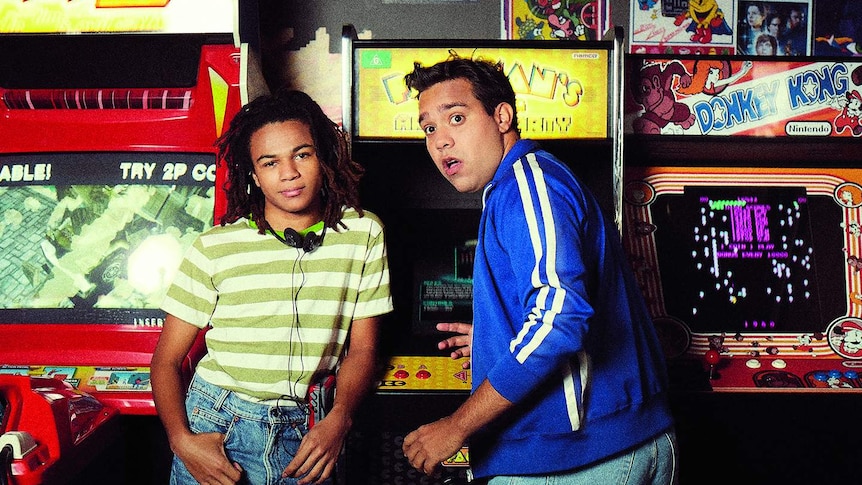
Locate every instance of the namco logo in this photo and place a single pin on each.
(130, 3)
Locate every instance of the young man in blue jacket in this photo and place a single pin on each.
(568, 376)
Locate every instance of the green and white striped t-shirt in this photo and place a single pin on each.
(279, 315)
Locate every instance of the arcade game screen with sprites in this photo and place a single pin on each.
(755, 264)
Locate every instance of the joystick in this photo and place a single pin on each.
(712, 357)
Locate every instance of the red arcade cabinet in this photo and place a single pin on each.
(107, 170)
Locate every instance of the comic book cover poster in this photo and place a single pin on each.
(777, 28)
(557, 19)
(838, 28)
(682, 27)
(718, 96)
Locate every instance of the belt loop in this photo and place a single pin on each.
(222, 397)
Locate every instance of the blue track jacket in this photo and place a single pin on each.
(560, 326)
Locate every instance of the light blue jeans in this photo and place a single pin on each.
(652, 463)
(261, 438)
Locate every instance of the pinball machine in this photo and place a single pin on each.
(107, 170)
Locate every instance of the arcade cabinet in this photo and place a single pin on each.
(566, 99)
(742, 210)
(107, 171)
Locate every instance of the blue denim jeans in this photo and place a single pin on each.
(652, 463)
(262, 438)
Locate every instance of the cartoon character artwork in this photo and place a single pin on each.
(845, 337)
(853, 228)
(716, 342)
(529, 29)
(804, 344)
(838, 29)
(565, 26)
(848, 194)
(654, 89)
(646, 4)
(706, 20)
(850, 115)
(544, 7)
(712, 76)
(565, 19)
(837, 46)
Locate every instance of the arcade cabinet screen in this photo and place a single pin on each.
(561, 88)
(97, 237)
(740, 254)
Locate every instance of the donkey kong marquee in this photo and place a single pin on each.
(715, 96)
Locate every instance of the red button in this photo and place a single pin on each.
(402, 374)
(423, 374)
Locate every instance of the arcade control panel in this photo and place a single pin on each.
(49, 431)
(429, 374)
(412, 391)
(124, 388)
(776, 374)
(768, 363)
(424, 373)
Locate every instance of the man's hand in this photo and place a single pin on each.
(204, 457)
(460, 343)
(433, 443)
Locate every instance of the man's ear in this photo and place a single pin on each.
(503, 116)
(254, 178)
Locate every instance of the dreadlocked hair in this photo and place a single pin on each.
(341, 175)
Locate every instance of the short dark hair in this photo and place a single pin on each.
(767, 39)
(759, 5)
(490, 84)
(773, 16)
(341, 174)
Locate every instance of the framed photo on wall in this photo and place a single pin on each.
(776, 28)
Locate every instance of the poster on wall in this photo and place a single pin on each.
(557, 20)
(717, 96)
(682, 27)
(838, 28)
(777, 28)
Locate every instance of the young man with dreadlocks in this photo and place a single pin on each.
(294, 275)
